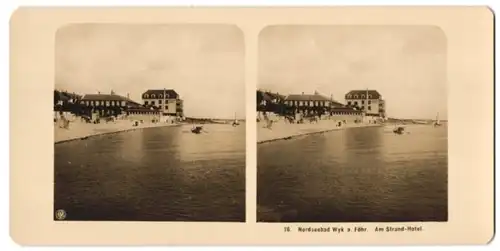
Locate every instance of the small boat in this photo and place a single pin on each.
(399, 130)
(437, 122)
(197, 129)
(235, 122)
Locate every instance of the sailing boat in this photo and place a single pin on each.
(235, 122)
(437, 123)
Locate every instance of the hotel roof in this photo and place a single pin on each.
(108, 97)
(105, 97)
(170, 93)
(307, 97)
(373, 93)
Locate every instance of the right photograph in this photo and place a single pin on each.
(352, 124)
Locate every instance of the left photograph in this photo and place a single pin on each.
(149, 123)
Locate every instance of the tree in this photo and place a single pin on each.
(56, 97)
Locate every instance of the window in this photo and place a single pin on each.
(146, 96)
(161, 96)
(146, 102)
(166, 96)
(369, 96)
(356, 96)
(362, 107)
(355, 102)
(349, 103)
(166, 107)
(349, 96)
(369, 101)
(362, 96)
(152, 102)
(153, 96)
(369, 107)
(107, 103)
(159, 101)
(362, 102)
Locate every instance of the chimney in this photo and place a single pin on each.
(302, 93)
(128, 95)
(98, 92)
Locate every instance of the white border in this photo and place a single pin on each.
(8, 7)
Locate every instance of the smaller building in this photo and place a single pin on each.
(168, 101)
(368, 101)
(144, 111)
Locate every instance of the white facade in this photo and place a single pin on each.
(368, 101)
(168, 106)
(168, 101)
(370, 106)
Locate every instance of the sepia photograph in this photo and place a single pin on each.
(251, 126)
(352, 124)
(149, 123)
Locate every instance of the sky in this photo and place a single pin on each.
(406, 64)
(204, 63)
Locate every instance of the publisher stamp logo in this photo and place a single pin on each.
(60, 214)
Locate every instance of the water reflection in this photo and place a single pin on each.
(230, 142)
(153, 174)
(363, 174)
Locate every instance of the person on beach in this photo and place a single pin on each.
(64, 123)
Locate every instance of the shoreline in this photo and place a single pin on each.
(92, 133)
(89, 130)
(298, 132)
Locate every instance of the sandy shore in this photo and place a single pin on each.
(80, 130)
(281, 130)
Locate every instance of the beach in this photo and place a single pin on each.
(80, 130)
(282, 130)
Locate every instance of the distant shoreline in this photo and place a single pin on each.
(210, 121)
